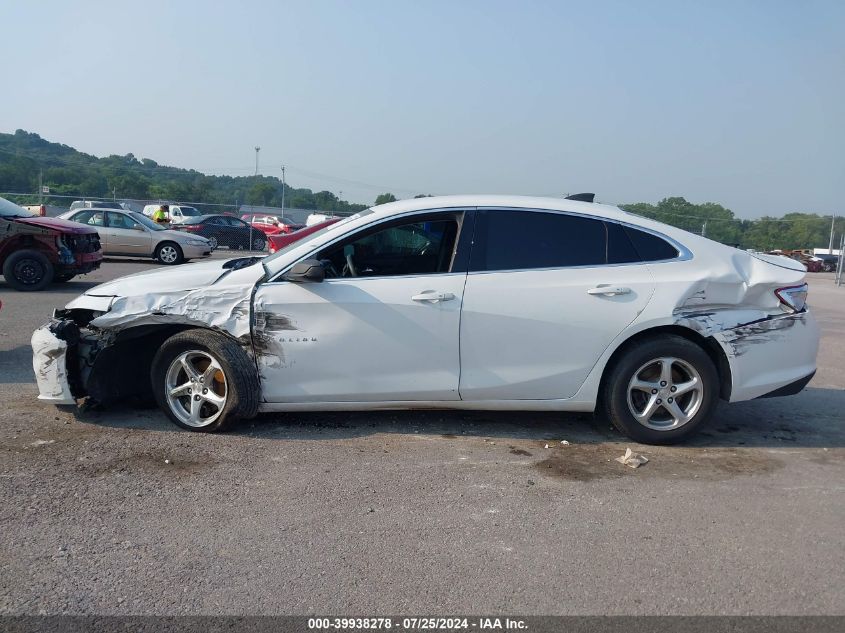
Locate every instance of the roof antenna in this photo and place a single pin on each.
(582, 197)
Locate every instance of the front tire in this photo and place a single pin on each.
(169, 253)
(661, 390)
(204, 381)
(28, 271)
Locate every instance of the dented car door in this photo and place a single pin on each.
(383, 325)
(546, 294)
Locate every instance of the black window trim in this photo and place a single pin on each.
(684, 254)
(460, 254)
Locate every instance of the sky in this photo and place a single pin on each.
(740, 103)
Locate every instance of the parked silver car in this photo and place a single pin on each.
(131, 234)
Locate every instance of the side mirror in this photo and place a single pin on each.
(307, 271)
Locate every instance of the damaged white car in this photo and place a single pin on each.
(470, 302)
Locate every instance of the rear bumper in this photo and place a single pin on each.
(774, 356)
(791, 389)
(49, 361)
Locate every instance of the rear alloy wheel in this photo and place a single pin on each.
(28, 270)
(661, 390)
(204, 380)
(169, 253)
(259, 244)
(212, 242)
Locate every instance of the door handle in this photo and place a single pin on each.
(609, 291)
(434, 297)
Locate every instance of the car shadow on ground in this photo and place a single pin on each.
(811, 419)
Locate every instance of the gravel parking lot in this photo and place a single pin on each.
(119, 512)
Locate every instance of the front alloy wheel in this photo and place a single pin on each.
(196, 388)
(203, 380)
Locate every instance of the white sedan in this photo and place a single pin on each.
(465, 302)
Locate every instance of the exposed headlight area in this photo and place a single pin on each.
(793, 298)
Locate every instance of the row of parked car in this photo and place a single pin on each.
(36, 250)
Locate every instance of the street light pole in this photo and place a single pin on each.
(257, 149)
(830, 245)
(283, 189)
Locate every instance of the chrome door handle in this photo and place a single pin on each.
(434, 297)
(609, 291)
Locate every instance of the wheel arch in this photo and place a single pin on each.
(708, 344)
(122, 369)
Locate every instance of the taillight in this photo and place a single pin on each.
(42, 210)
(793, 297)
(188, 227)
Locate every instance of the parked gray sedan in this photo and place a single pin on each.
(131, 234)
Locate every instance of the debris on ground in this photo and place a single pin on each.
(546, 446)
(564, 443)
(42, 442)
(632, 459)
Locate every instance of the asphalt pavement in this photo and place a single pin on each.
(430, 513)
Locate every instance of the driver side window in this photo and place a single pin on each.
(424, 246)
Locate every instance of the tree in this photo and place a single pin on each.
(384, 198)
(261, 193)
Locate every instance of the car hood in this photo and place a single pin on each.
(57, 224)
(179, 236)
(166, 280)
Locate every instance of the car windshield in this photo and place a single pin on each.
(189, 211)
(11, 210)
(106, 205)
(140, 218)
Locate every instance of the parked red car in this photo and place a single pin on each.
(35, 250)
(271, 224)
(281, 240)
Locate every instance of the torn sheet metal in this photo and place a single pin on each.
(49, 355)
(226, 309)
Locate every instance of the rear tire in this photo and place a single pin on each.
(661, 390)
(169, 253)
(225, 383)
(28, 271)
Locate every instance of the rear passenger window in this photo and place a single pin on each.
(650, 247)
(515, 240)
(619, 247)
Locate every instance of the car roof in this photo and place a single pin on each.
(589, 209)
(196, 219)
(487, 200)
(103, 209)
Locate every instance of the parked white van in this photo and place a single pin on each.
(178, 212)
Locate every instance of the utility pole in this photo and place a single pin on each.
(283, 189)
(830, 245)
(257, 149)
(40, 186)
